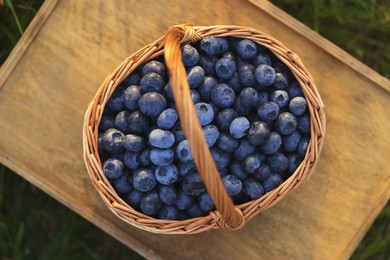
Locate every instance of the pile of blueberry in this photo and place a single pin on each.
(254, 117)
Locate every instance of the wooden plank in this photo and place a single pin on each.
(46, 95)
(323, 43)
(29, 35)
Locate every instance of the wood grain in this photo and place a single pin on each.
(323, 43)
(43, 101)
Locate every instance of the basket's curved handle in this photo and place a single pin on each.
(231, 218)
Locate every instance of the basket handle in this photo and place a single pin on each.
(230, 218)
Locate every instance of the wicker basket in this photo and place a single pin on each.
(227, 216)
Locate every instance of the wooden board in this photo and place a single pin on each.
(45, 93)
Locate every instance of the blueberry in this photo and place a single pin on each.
(272, 182)
(246, 49)
(112, 140)
(193, 185)
(236, 169)
(166, 175)
(155, 67)
(298, 106)
(223, 43)
(106, 122)
(210, 45)
(273, 143)
(281, 81)
(294, 90)
(152, 82)
(186, 168)
(206, 87)
(132, 160)
(278, 162)
(281, 68)
(167, 194)
(244, 150)
(280, 97)
(133, 79)
(262, 58)
(183, 151)
(249, 97)
(178, 132)
(190, 55)
(221, 158)
(286, 123)
(211, 134)
(123, 184)
(195, 96)
(222, 95)
(112, 168)
(239, 127)
(131, 97)
(227, 143)
(208, 64)
(262, 173)
(169, 212)
(302, 146)
(134, 198)
(241, 108)
(205, 202)
(144, 180)
(234, 83)
(115, 103)
(291, 141)
(229, 55)
(152, 104)
(258, 133)
(168, 92)
(246, 75)
(145, 157)
(133, 143)
(253, 189)
(161, 157)
(183, 201)
(161, 138)
(268, 111)
(225, 118)
(304, 123)
(213, 45)
(293, 162)
(150, 203)
(205, 113)
(251, 163)
(195, 76)
(225, 68)
(121, 121)
(167, 118)
(195, 211)
(232, 185)
(138, 123)
(265, 75)
(240, 62)
(263, 97)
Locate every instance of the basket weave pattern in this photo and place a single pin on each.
(227, 216)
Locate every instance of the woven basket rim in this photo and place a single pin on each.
(249, 209)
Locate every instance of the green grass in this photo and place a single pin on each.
(35, 226)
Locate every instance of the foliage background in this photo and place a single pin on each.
(35, 226)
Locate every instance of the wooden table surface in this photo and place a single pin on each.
(70, 48)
